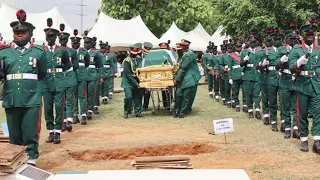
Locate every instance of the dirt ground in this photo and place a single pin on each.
(110, 142)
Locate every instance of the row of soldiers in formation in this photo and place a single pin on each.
(186, 79)
(287, 65)
(54, 76)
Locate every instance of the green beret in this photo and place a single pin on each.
(147, 44)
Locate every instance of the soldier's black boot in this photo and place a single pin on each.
(233, 105)
(237, 109)
(250, 114)
(282, 127)
(181, 116)
(76, 119)
(217, 98)
(274, 127)
(266, 121)
(56, 138)
(229, 105)
(83, 120)
(145, 109)
(69, 126)
(224, 102)
(96, 110)
(64, 127)
(211, 96)
(175, 114)
(304, 146)
(104, 101)
(295, 134)
(245, 109)
(50, 139)
(287, 134)
(258, 115)
(89, 115)
(316, 146)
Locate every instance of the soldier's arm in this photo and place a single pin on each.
(230, 64)
(98, 61)
(86, 59)
(42, 66)
(186, 63)
(242, 62)
(293, 62)
(65, 59)
(75, 60)
(128, 73)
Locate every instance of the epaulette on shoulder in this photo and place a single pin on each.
(128, 59)
(4, 47)
(39, 47)
(297, 46)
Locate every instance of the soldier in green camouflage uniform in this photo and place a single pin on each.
(206, 58)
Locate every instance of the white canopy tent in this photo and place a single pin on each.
(39, 20)
(217, 38)
(122, 32)
(199, 30)
(198, 43)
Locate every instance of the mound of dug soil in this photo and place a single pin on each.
(131, 153)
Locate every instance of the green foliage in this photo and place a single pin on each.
(239, 17)
(158, 15)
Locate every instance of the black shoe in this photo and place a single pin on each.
(188, 111)
(69, 126)
(310, 115)
(110, 96)
(139, 116)
(316, 146)
(224, 102)
(237, 109)
(274, 127)
(83, 120)
(145, 109)
(50, 139)
(76, 119)
(266, 121)
(229, 105)
(250, 114)
(31, 164)
(287, 134)
(211, 96)
(282, 127)
(245, 109)
(181, 116)
(304, 146)
(96, 110)
(174, 115)
(295, 134)
(258, 115)
(57, 138)
(104, 101)
(233, 105)
(64, 127)
(89, 115)
(126, 116)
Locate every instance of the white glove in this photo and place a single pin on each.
(302, 60)
(230, 81)
(279, 73)
(293, 78)
(265, 62)
(242, 73)
(246, 58)
(284, 59)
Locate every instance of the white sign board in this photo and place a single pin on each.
(221, 126)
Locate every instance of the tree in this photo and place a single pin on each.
(239, 17)
(158, 15)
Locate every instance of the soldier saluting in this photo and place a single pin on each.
(23, 66)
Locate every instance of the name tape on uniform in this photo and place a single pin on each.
(221, 126)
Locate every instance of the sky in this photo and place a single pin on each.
(67, 8)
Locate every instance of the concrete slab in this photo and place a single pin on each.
(195, 174)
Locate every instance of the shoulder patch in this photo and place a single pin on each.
(39, 47)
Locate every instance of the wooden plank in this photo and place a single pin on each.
(163, 162)
(14, 166)
(166, 167)
(161, 158)
(22, 155)
(10, 151)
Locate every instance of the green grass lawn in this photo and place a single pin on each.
(263, 154)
